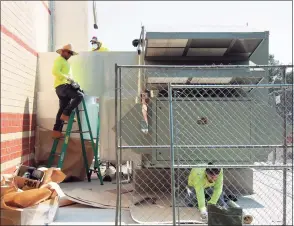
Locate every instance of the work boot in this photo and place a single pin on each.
(57, 134)
(75, 120)
(64, 117)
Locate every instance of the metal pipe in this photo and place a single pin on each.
(279, 91)
(233, 86)
(178, 174)
(95, 15)
(201, 146)
(51, 43)
(236, 166)
(284, 152)
(139, 74)
(274, 156)
(141, 61)
(203, 66)
(116, 145)
(172, 151)
(120, 144)
(142, 55)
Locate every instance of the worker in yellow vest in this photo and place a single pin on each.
(69, 97)
(97, 45)
(205, 186)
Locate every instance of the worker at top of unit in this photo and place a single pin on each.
(69, 96)
(205, 185)
(97, 45)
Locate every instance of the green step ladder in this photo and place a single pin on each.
(97, 163)
(66, 140)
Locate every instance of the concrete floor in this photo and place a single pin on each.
(268, 188)
(265, 205)
(84, 215)
(79, 214)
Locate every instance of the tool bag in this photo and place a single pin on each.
(75, 85)
(225, 217)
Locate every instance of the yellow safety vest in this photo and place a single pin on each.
(198, 180)
(60, 71)
(102, 49)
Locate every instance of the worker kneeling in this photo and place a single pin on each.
(205, 186)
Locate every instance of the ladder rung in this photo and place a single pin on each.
(66, 123)
(82, 110)
(80, 131)
(77, 131)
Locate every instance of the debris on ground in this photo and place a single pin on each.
(106, 199)
(31, 196)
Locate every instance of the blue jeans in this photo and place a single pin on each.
(191, 200)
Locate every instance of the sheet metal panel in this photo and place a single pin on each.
(206, 35)
(234, 45)
(209, 73)
(206, 51)
(167, 43)
(95, 72)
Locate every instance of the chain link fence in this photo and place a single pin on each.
(173, 122)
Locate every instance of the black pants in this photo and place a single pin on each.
(192, 201)
(69, 99)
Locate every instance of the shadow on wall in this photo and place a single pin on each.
(34, 118)
(27, 142)
(29, 124)
(25, 127)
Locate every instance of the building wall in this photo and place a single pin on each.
(71, 20)
(24, 33)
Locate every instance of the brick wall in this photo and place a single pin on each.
(24, 33)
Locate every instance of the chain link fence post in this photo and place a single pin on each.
(116, 142)
(172, 159)
(284, 149)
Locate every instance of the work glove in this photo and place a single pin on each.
(203, 215)
(189, 191)
(70, 80)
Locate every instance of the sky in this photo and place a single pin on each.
(120, 21)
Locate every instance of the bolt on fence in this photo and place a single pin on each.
(172, 122)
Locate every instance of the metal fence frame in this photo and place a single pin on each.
(172, 145)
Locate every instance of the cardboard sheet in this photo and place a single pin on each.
(79, 201)
(106, 199)
(40, 214)
(124, 189)
(33, 206)
(73, 166)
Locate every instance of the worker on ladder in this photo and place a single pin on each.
(97, 45)
(205, 185)
(69, 97)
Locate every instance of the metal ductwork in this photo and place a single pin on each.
(95, 15)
